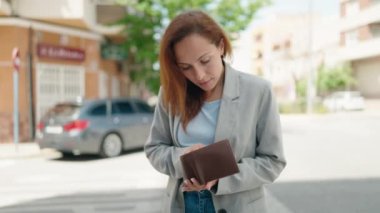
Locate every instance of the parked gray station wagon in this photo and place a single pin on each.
(105, 126)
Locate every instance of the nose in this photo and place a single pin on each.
(199, 73)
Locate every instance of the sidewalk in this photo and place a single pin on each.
(21, 150)
(372, 104)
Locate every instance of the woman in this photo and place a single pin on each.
(203, 100)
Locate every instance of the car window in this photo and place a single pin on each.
(98, 110)
(143, 107)
(63, 110)
(122, 108)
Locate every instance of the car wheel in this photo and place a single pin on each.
(67, 154)
(112, 145)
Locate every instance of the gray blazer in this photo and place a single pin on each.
(249, 119)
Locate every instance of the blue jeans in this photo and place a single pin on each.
(198, 202)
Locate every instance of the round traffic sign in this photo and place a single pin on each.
(16, 58)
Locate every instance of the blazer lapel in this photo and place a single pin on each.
(228, 108)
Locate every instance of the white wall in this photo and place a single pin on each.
(242, 52)
(5, 8)
(368, 77)
(362, 18)
(68, 9)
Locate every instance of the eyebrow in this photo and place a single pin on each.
(196, 60)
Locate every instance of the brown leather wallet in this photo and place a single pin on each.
(210, 162)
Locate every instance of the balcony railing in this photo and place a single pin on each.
(360, 50)
(72, 13)
(364, 17)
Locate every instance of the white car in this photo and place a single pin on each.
(344, 100)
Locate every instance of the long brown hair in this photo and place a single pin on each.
(181, 95)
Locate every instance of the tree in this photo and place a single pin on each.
(334, 78)
(146, 20)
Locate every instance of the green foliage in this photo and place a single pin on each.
(146, 20)
(234, 15)
(334, 78)
(301, 86)
(299, 106)
(329, 79)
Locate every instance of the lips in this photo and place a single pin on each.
(204, 82)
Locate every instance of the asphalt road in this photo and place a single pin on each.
(332, 167)
(333, 163)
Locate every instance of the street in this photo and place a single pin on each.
(332, 167)
(81, 184)
(333, 163)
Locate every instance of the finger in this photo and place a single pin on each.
(196, 183)
(187, 150)
(210, 184)
(186, 182)
(188, 185)
(199, 145)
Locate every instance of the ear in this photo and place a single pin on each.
(221, 47)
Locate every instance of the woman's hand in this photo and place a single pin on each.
(194, 185)
(194, 147)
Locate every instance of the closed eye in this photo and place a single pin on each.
(205, 61)
(184, 68)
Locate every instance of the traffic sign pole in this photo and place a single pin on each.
(16, 66)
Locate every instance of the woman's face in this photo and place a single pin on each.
(200, 61)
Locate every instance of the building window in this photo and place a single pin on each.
(258, 55)
(375, 30)
(352, 7)
(258, 37)
(351, 37)
(276, 47)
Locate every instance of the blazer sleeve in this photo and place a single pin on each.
(159, 147)
(269, 159)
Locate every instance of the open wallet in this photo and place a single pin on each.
(210, 162)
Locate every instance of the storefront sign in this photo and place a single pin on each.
(60, 52)
(113, 52)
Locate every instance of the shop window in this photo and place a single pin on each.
(57, 83)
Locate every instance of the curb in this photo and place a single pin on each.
(19, 151)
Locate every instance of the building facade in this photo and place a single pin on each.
(360, 43)
(61, 60)
(289, 46)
